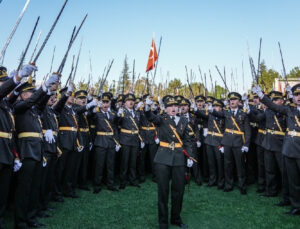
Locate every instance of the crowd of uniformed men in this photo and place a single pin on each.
(54, 141)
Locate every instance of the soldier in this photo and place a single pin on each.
(84, 131)
(150, 137)
(290, 149)
(272, 143)
(215, 152)
(192, 126)
(7, 128)
(29, 130)
(257, 110)
(170, 159)
(130, 139)
(235, 141)
(106, 144)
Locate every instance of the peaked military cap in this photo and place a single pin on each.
(3, 73)
(184, 101)
(81, 94)
(199, 98)
(129, 96)
(169, 101)
(234, 95)
(275, 95)
(218, 102)
(210, 99)
(296, 89)
(106, 96)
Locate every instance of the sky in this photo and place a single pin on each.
(194, 33)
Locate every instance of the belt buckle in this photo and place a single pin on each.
(213, 133)
(10, 135)
(73, 129)
(264, 132)
(172, 145)
(132, 132)
(106, 133)
(272, 131)
(231, 131)
(293, 133)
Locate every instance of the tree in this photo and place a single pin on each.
(124, 81)
(294, 73)
(267, 77)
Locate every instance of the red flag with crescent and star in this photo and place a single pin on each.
(152, 57)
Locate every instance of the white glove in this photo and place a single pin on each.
(91, 104)
(198, 144)
(289, 91)
(49, 136)
(257, 90)
(210, 108)
(245, 149)
(27, 70)
(80, 148)
(70, 89)
(120, 112)
(142, 145)
(157, 141)
(90, 146)
(99, 104)
(154, 107)
(44, 164)
(244, 97)
(52, 80)
(17, 164)
(138, 106)
(246, 107)
(189, 163)
(117, 148)
(221, 149)
(205, 131)
(149, 102)
(194, 107)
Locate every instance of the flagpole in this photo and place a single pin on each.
(157, 57)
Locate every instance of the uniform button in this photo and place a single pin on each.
(173, 136)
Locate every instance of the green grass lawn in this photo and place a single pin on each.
(203, 207)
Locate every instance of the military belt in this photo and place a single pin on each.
(234, 131)
(214, 134)
(275, 132)
(68, 128)
(261, 131)
(93, 126)
(171, 145)
(294, 133)
(30, 135)
(129, 131)
(84, 130)
(5, 135)
(53, 132)
(148, 128)
(105, 133)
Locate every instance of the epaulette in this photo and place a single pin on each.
(292, 105)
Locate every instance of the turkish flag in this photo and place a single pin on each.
(152, 57)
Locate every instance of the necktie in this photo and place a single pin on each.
(106, 113)
(132, 113)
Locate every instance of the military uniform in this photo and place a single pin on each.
(105, 145)
(291, 148)
(7, 147)
(170, 163)
(30, 142)
(237, 134)
(213, 143)
(148, 134)
(130, 140)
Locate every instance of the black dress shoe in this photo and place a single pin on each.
(59, 199)
(227, 189)
(260, 190)
(181, 225)
(221, 187)
(268, 195)
(294, 211)
(42, 214)
(36, 225)
(243, 191)
(49, 209)
(85, 188)
(122, 186)
(97, 190)
(283, 203)
(113, 189)
(135, 185)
